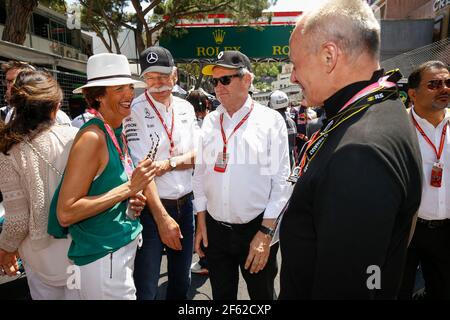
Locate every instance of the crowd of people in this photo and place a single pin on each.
(350, 186)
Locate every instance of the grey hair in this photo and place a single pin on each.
(175, 74)
(243, 71)
(351, 24)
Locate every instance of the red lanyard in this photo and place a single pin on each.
(124, 158)
(225, 140)
(169, 133)
(424, 135)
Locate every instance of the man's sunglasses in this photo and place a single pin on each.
(225, 80)
(438, 84)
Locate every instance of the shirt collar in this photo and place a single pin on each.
(246, 107)
(161, 106)
(334, 103)
(424, 122)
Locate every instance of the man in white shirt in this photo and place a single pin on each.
(167, 122)
(239, 183)
(81, 119)
(429, 90)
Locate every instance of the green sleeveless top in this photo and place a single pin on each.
(107, 231)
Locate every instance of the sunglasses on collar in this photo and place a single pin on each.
(438, 84)
(225, 80)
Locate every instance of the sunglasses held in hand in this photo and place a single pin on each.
(154, 147)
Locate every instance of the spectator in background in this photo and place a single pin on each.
(302, 116)
(200, 103)
(78, 111)
(201, 106)
(279, 101)
(11, 70)
(34, 151)
(429, 91)
(315, 117)
(179, 92)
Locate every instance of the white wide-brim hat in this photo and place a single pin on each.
(109, 69)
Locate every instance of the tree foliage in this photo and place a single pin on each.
(168, 13)
(265, 74)
(105, 17)
(57, 5)
(151, 17)
(18, 15)
(267, 69)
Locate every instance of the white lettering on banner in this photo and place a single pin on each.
(440, 4)
(374, 281)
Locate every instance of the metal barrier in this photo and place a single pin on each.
(408, 61)
(67, 80)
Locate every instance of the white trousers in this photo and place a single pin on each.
(39, 290)
(111, 277)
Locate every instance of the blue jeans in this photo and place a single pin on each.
(148, 257)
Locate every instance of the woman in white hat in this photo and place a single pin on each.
(91, 204)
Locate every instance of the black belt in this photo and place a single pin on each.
(176, 202)
(432, 224)
(236, 226)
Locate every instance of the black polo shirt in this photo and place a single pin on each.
(352, 210)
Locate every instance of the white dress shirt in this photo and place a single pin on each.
(80, 120)
(435, 203)
(143, 121)
(255, 178)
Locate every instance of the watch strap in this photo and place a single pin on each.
(266, 230)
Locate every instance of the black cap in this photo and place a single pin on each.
(156, 59)
(228, 59)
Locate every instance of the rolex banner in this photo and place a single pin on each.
(201, 43)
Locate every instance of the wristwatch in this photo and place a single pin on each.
(266, 230)
(172, 164)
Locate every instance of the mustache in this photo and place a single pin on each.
(160, 89)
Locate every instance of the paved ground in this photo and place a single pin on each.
(200, 286)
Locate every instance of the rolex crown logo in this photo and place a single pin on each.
(219, 35)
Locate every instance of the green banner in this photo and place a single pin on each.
(207, 42)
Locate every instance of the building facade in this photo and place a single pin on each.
(437, 10)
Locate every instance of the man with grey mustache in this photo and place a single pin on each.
(168, 124)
